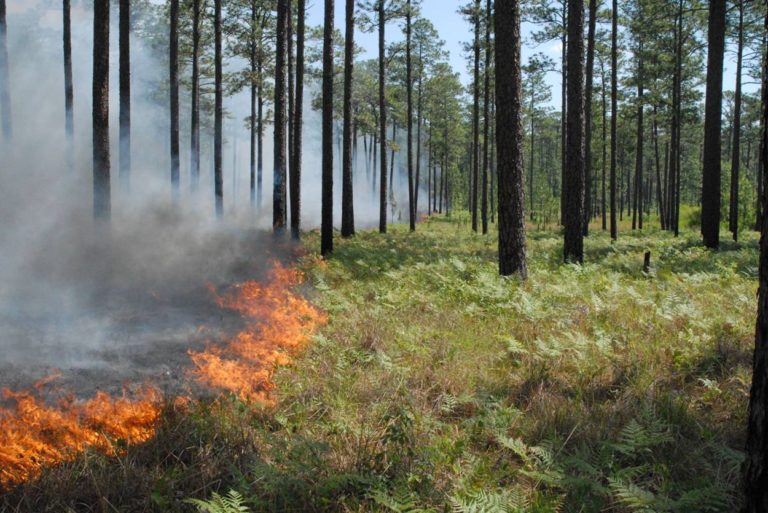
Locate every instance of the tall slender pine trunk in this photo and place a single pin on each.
(125, 94)
(194, 143)
(614, 112)
(326, 228)
(573, 249)
(280, 150)
(486, 117)
(102, 207)
(588, 115)
(174, 96)
(347, 204)
(711, 174)
(5, 76)
(298, 123)
(69, 109)
(476, 120)
(382, 120)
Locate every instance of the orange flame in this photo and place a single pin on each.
(279, 322)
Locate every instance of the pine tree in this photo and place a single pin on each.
(218, 113)
(347, 199)
(710, 193)
(101, 165)
(509, 137)
(298, 123)
(5, 76)
(173, 77)
(326, 228)
(125, 94)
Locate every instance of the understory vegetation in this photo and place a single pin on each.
(438, 386)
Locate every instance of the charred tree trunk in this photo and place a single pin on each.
(710, 192)
(509, 137)
(419, 106)
(588, 115)
(101, 165)
(69, 95)
(291, 104)
(260, 134)
(254, 101)
(174, 85)
(298, 123)
(382, 120)
(574, 186)
(603, 203)
(218, 114)
(326, 231)
(347, 204)
(125, 94)
(733, 211)
(280, 150)
(5, 76)
(194, 143)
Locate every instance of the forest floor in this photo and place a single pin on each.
(437, 386)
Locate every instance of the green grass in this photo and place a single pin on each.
(438, 386)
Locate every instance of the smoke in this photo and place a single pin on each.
(127, 301)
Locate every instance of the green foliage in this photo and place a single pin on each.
(232, 502)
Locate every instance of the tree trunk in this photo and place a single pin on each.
(588, 115)
(382, 121)
(756, 464)
(347, 203)
(533, 140)
(659, 183)
(637, 213)
(486, 117)
(218, 114)
(563, 108)
(291, 105)
(409, 107)
(280, 150)
(5, 76)
(69, 110)
(326, 231)
(603, 204)
(710, 192)
(125, 94)
(509, 137)
(174, 85)
(733, 216)
(574, 186)
(614, 113)
(101, 164)
(476, 119)
(298, 123)
(194, 150)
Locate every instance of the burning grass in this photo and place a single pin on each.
(34, 433)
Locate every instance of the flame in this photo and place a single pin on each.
(279, 323)
(35, 434)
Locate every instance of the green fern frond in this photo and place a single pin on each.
(232, 502)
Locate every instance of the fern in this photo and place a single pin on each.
(400, 502)
(232, 502)
(504, 501)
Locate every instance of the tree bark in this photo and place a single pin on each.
(218, 114)
(194, 143)
(637, 213)
(574, 186)
(326, 230)
(347, 204)
(588, 115)
(298, 123)
(174, 99)
(509, 137)
(756, 464)
(69, 110)
(710, 192)
(5, 76)
(125, 94)
(409, 106)
(101, 165)
(486, 117)
(382, 120)
(280, 150)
